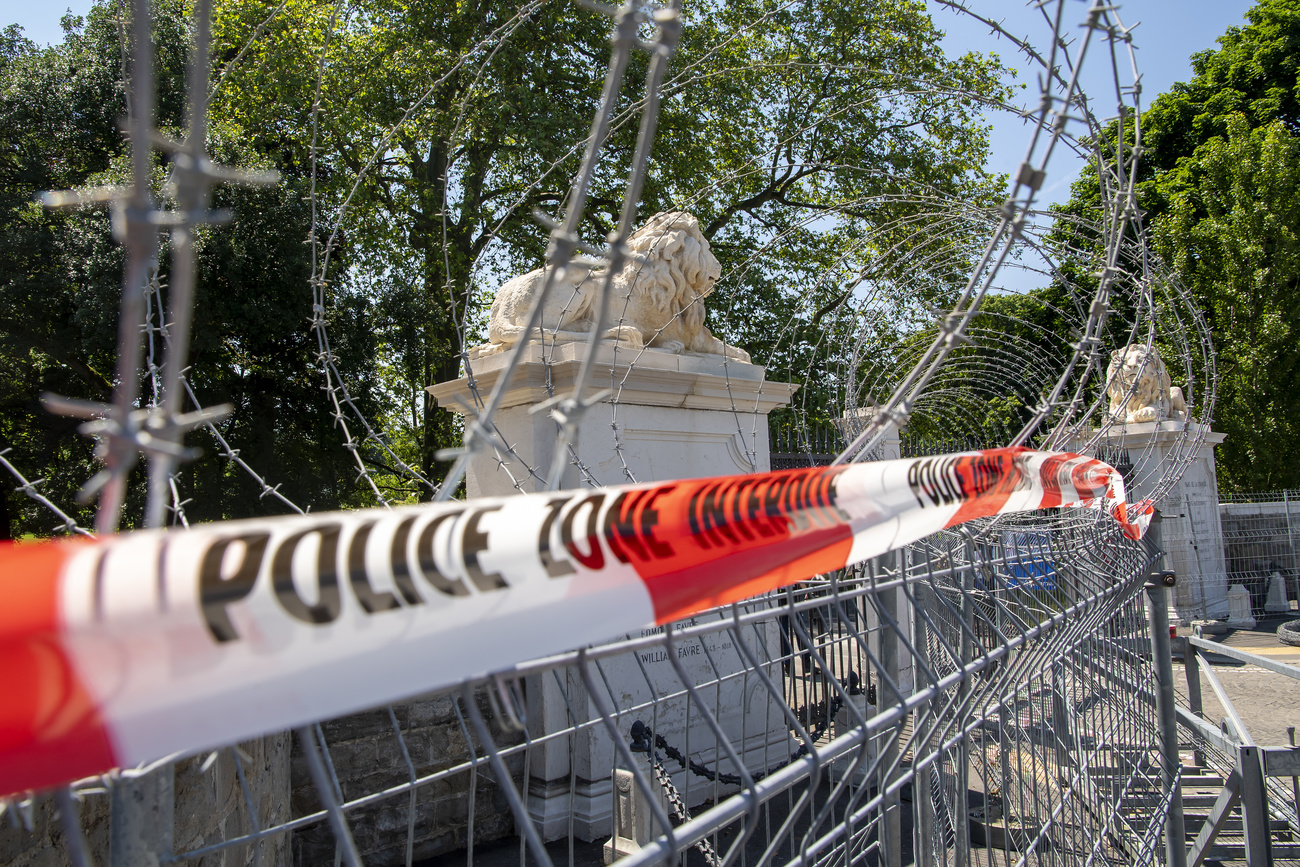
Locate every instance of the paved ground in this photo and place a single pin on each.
(1268, 702)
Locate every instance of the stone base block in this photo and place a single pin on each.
(1277, 602)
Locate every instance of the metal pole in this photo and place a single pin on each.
(963, 747)
(891, 830)
(1162, 658)
(1004, 746)
(1254, 807)
(1192, 668)
(1060, 720)
(1290, 541)
(191, 202)
(140, 808)
(141, 819)
(922, 797)
(1295, 781)
(141, 241)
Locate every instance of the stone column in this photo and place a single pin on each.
(1193, 536)
(671, 416)
(855, 421)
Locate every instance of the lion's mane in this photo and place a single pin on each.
(1152, 397)
(673, 269)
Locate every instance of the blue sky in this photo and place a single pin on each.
(1167, 33)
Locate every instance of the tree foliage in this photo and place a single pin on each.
(415, 140)
(1230, 230)
(1218, 185)
(440, 130)
(60, 289)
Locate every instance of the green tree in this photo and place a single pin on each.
(791, 128)
(1220, 193)
(60, 288)
(1229, 228)
(1217, 183)
(799, 133)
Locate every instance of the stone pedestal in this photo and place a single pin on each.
(647, 689)
(1277, 603)
(670, 416)
(1239, 614)
(855, 421)
(1193, 537)
(633, 822)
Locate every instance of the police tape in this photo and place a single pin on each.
(126, 649)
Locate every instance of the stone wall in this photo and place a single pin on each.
(367, 758)
(42, 844)
(209, 807)
(210, 804)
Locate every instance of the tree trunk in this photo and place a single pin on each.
(443, 349)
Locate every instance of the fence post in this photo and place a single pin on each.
(1192, 668)
(1290, 542)
(922, 794)
(1295, 781)
(891, 828)
(1157, 589)
(1061, 733)
(140, 818)
(963, 746)
(1254, 807)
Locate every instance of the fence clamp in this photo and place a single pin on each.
(508, 706)
(1162, 579)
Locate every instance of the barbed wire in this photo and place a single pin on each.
(335, 383)
(123, 431)
(32, 490)
(1052, 121)
(155, 332)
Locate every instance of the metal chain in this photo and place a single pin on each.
(680, 811)
(642, 735)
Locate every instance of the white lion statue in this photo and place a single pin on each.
(1139, 388)
(656, 300)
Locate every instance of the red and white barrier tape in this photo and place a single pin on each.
(137, 646)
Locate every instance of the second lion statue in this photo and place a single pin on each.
(1139, 387)
(656, 299)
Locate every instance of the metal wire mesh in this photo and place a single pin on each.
(1259, 547)
(1213, 764)
(936, 701)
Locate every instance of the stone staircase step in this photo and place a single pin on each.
(1189, 800)
(1194, 821)
(1237, 851)
(1203, 781)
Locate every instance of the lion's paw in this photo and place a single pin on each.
(1145, 414)
(486, 350)
(737, 354)
(626, 336)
